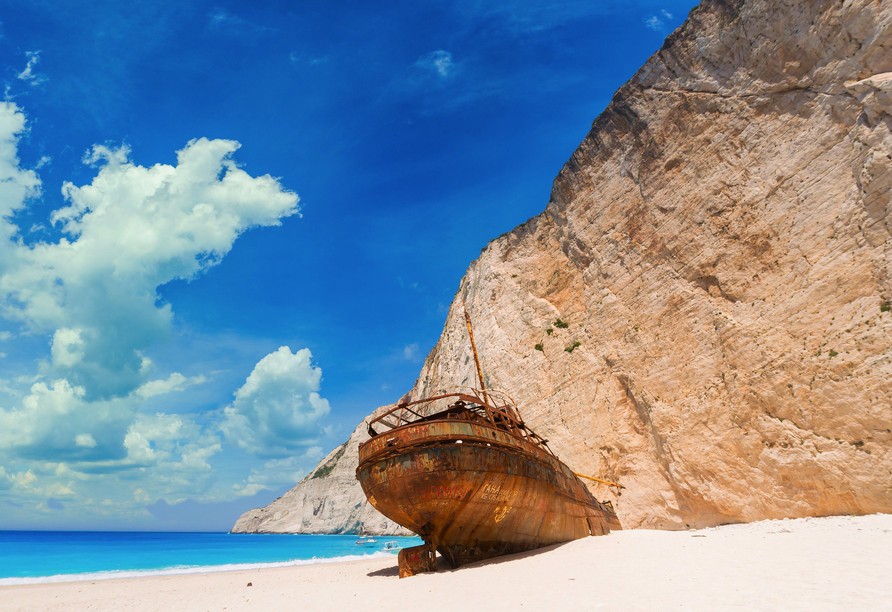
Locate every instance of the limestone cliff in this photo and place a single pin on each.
(719, 248)
(327, 501)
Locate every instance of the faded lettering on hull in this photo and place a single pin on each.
(493, 492)
(449, 491)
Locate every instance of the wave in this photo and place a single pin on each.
(187, 569)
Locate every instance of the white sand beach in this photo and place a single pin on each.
(832, 563)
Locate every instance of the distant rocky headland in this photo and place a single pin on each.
(718, 252)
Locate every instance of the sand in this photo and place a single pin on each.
(833, 563)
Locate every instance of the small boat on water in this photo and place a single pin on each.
(366, 541)
(394, 545)
(463, 471)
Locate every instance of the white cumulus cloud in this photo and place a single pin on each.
(174, 382)
(5, 479)
(93, 294)
(17, 185)
(131, 230)
(278, 409)
(55, 423)
(196, 459)
(85, 440)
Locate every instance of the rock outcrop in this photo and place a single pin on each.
(719, 248)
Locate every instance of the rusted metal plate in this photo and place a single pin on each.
(416, 560)
(475, 487)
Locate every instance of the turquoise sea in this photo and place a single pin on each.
(59, 556)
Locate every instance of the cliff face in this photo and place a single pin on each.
(720, 248)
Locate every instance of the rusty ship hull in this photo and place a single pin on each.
(475, 484)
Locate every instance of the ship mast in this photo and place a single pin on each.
(474, 349)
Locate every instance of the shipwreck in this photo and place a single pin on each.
(463, 471)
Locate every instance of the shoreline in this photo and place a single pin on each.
(188, 570)
(827, 563)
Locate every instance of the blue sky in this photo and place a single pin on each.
(229, 232)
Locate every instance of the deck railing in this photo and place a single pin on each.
(491, 406)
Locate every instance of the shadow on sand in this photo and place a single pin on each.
(443, 566)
